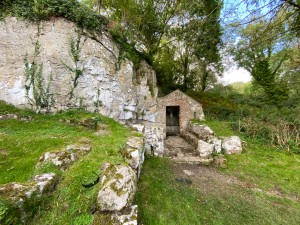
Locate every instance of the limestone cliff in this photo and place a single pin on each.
(54, 66)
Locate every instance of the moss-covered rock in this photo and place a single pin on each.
(134, 153)
(64, 159)
(127, 216)
(117, 187)
(18, 201)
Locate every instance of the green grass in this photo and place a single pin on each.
(260, 164)
(219, 128)
(162, 200)
(71, 201)
(23, 142)
(267, 168)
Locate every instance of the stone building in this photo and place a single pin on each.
(175, 110)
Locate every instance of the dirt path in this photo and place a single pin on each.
(207, 178)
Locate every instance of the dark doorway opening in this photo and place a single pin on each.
(172, 120)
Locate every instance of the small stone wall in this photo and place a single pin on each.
(208, 144)
(153, 138)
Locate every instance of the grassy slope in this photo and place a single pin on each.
(262, 165)
(22, 143)
(163, 201)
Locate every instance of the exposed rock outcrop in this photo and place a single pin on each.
(21, 197)
(14, 116)
(127, 216)
(154, 140)
(202, 131)
(208, 144)
(205, 149)
(65, 158)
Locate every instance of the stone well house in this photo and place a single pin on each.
(175, 110)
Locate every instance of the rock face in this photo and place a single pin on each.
(232, 145)
(20, 198)
(118, 186)
(95, 80)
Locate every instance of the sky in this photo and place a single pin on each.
(234, 74)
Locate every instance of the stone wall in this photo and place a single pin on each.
(55, 66)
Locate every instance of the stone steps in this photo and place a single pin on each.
(187, 159)
(192, 160)
(191, 138)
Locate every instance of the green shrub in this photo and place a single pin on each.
(250, 115)
(38, 10)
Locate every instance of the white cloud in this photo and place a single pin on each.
(235, 75)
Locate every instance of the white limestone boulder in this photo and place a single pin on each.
(118, 185)
(139, 127)
(154, 140)
(205, 149)
(126, 217)
(217, 143)
(45, 182)
(232, 145)
(62, 160)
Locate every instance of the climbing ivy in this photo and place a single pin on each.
(75, 56)
(34, 80)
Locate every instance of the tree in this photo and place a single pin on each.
(263, 61)
(198, 36)
(186, 31)
(277, 14)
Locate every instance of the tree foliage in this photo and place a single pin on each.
(179, 38)
(264, 45)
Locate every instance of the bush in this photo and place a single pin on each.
(38, 10)
(252, 117)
